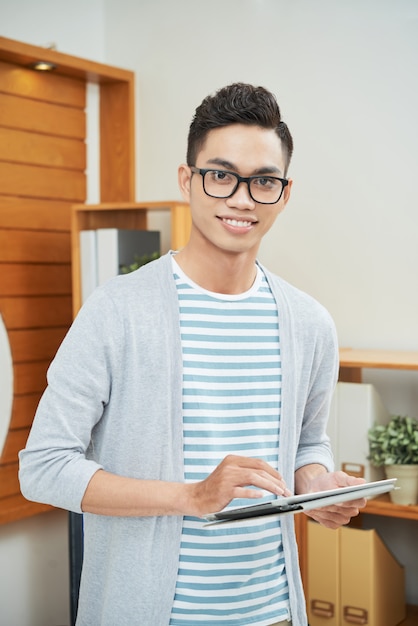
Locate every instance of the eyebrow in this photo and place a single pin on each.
(230, 166)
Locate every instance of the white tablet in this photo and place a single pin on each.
(302, 502)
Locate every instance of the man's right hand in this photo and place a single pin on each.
(235, 477)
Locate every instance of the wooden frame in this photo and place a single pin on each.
(117, 101)
(117, 162)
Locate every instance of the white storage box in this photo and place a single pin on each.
(355, 408)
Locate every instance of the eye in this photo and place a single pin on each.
(266, 182)
(221, 177)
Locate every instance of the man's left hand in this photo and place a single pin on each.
(335, 515)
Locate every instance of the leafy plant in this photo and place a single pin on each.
(139, 262)
(395, 443)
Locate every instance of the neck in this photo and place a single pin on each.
(221, 272)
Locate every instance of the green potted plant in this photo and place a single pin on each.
(395, 447)
(139, 262)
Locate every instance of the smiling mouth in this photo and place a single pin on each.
(238, 223)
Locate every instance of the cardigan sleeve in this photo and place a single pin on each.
(54, 466)
(321, 372)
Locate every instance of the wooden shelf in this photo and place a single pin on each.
(389, 359)
(122, 215)
(352, 361)
(382, 505)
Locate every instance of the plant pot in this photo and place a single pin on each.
(407, 481)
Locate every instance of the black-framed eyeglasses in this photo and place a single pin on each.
(223, 184)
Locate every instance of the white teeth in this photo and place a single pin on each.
(239, 223)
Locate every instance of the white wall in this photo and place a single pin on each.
(34, 573)
(74, 27)
(345, 76)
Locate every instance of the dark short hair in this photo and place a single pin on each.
(238, 103)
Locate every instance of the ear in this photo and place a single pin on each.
(286, 192)
(184, 179)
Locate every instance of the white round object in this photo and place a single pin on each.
(6, 384)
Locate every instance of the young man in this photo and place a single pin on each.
(197, 381)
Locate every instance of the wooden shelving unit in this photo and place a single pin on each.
(122, 215)
(35, 222)
(352, 363)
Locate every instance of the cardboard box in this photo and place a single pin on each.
(352, 579)
(323, 593)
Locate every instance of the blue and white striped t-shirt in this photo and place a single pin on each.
(231, 576)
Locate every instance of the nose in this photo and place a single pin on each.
(241, 199)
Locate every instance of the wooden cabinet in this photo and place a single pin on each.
(352, 363)
(122, 215)
(42, 173)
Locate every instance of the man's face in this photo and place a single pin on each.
(236, 224)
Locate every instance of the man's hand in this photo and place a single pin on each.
(337, 514)
(231, 479)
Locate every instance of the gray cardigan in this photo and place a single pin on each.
(113, 401)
